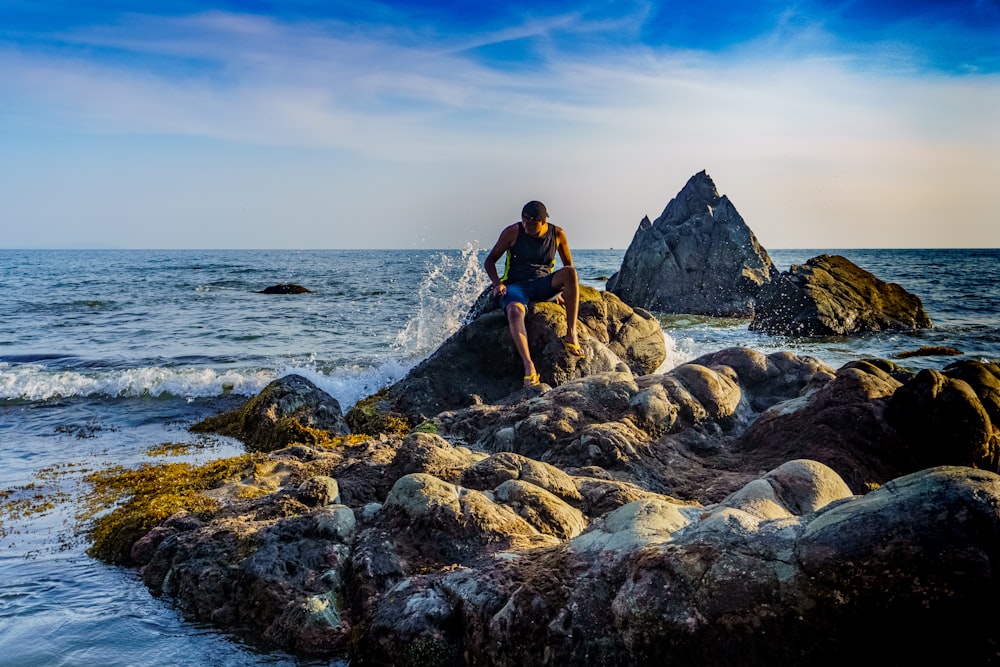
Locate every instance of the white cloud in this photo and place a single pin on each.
(813, 152)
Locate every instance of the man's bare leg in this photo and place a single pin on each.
(519, 333)
(567, 280)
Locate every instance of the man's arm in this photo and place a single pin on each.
(503, 244)
(562, 246)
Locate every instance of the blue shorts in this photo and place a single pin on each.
(536, 289)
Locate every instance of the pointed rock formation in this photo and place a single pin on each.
(698, 257)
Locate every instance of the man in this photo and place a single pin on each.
(531, 246)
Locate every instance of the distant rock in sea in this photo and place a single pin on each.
(285, 288)
(831, 296)
(929, 351)
(698, 257)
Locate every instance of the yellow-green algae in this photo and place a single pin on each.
(342, 440)
(33, 499)
(284, 432)
(144, 497)
(370, 416)
(19, 503)
(427, 426)
(169, 449)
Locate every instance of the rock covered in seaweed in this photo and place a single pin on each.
(289, 409)
(698, 257)
(831, 296)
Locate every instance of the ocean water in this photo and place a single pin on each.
(105, 355)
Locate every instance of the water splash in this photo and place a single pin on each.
(445, 294)
(449, 286)
(677, 353)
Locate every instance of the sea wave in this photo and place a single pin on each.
(34, 382)
(351, 384)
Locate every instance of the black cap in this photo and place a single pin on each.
(534, 210)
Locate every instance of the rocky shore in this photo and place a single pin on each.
(738, 509)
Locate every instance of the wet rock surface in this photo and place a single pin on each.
(831, 296)
(289, 409)
(479, 365)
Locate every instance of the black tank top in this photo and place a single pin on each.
(530, 257)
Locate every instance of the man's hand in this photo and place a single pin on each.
(559, 299)
(500, 290)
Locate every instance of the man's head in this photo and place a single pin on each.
(534, 211)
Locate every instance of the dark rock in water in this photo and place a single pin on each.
(277, 576)
(698, 257)
(479, 364)
(831, 296)
(290, 409)
(929, 351)
(285, 288)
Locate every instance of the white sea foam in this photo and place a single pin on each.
(34, 382)
(350, 384)
(676, 354)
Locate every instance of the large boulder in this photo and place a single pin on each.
(698, 257)
(840, 423)
(943, 415)
(875, 421)
(831, 296)
(289, 409)
(479, 364)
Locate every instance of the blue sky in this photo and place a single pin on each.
(427, 125)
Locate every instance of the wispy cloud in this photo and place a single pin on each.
(585, 96)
